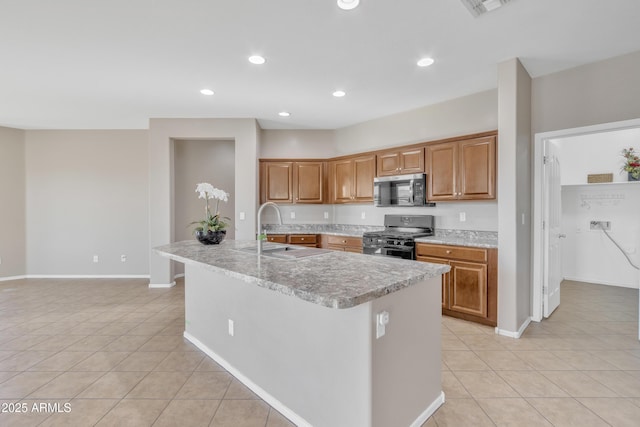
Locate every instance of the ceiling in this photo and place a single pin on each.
(113, 64)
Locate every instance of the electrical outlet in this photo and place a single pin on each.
(363, 215)
(241, 216)
(463, 216)
(231, 329)
(123, 258)
(326, 215)
(95, 258)
(600, 225)
(293, 215)
(382, 320)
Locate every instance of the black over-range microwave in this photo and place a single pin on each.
(401, 190)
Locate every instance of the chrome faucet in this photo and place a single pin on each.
(259, 220)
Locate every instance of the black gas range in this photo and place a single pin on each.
(398, 237)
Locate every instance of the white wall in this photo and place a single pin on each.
(460, 116)
(514, 192)
(594, 154)
(601, 92)
(87, 194)
(12, 203)
(297, 144)
(588, 255)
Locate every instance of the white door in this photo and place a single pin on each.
(552, 231)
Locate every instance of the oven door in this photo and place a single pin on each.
(399, 252)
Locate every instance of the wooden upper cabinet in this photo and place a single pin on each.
(342, 179)
(441, 171)
(308, 178)
(400, 162)
(477, 168)
(351, 179)
(291, 182)
(364, 171)
(462, 170)
(276, 182)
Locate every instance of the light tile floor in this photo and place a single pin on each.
(113, 350)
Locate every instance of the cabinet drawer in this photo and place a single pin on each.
(302, 239)
(452, 252)
(277, 238)
(344, 241)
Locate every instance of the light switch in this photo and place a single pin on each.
(241, 216)
(363, 215)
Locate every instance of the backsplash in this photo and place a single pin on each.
(480, 216)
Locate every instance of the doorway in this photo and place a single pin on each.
(546, 197)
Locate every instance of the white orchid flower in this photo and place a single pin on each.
(206, 190)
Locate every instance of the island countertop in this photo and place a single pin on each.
(333, 279)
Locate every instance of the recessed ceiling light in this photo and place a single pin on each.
(257, 59)
(425, 62)
(339, 93)
(348, 4)
(206, 92)
(284, 114)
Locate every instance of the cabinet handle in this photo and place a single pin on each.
(344, 241)
(448, 251)
(302, 238)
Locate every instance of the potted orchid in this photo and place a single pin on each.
(631, 163)
(211, 230)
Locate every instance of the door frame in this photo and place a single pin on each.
(539, 193)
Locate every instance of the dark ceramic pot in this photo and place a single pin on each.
(631, 178)
(211, 237)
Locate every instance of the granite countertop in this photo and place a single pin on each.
(333, 279)
(331, 229)
(478, 239)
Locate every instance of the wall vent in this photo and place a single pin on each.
(478, 7)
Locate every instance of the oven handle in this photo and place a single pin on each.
(384, 251)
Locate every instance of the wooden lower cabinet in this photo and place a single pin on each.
(310, 240)
(470, 289)
(342, 243)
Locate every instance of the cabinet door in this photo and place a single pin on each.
(445, 278)
(277, 182)
(341, 181)
(308, 179)
(442, 171)
(364, 169)
(388, 164)
(477, 168)
(412, 161)
(468, 288)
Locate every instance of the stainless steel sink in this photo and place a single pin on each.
(286, 252)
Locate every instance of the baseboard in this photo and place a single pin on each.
(6, 279)
(429, 411)
(275, 403)
(162, 285)
(516, 334)
(600, 282)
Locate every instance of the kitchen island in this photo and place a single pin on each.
(303, 333)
